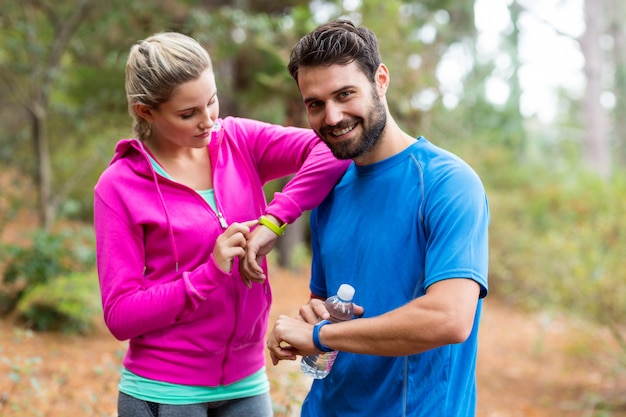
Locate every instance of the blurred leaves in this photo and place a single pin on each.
(557, 232)
(559, 242)
(69, 303)
(50, 283)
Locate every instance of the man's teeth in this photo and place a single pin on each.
(343, 131)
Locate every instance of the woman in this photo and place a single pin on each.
(173, 212)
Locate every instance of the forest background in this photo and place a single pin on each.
(556, 185)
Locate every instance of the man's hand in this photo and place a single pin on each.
(315, 311)
(294, 336)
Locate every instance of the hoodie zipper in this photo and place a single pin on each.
(236, 300)
(220, 217)
(215, 141)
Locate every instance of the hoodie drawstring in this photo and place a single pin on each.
(167, 213)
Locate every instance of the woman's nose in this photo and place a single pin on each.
(207, 121)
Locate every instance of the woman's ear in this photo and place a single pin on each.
(144, 112)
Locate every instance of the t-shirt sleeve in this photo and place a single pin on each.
(456, 219)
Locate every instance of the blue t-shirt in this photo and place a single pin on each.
(391, 229)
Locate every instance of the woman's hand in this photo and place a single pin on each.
(231, 243)
(260, 243)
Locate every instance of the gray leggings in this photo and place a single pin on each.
(258, 406)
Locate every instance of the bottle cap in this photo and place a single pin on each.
(346, 292)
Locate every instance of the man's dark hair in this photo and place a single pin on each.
(336, 42)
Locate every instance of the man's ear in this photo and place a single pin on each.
(382, 80)
(144, 112)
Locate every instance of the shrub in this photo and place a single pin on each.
(35, 264)
(68, 303)
(561, 244)
(49, 255)
(47, 282)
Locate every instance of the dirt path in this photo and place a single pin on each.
(529, 366)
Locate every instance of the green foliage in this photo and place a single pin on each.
(67, 303)
(556, 240)
(36, 264)
(300, 257)
(11, 201)
(48, 256)
(46, 282)
(559, 242)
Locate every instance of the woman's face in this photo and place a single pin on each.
(187, 118)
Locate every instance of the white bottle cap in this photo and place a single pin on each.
(346, 292)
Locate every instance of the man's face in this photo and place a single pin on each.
(343, 108)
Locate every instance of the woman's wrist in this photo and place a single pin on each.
(273, 223)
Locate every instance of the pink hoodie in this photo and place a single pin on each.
(188, 321)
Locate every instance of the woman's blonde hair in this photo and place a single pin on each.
(156, 66)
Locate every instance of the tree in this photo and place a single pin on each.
(596, 151)
(62, 63)
(618, 34)
(29, 68)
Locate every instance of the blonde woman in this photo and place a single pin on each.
(173, 213)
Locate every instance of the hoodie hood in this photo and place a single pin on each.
(131, 148)
(134, 148)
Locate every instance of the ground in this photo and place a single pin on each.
(530, 365)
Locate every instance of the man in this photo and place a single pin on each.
(406, 226)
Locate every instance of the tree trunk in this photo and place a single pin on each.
(43, 174)
(285, 246)
(515, 138)
(596, 154)
(64, 27)
(618, 16)
(296, 233)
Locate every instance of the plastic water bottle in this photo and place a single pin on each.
(341, 309)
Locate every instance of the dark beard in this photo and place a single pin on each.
(369, 138)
